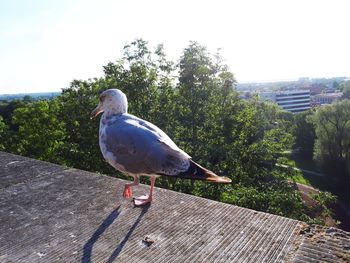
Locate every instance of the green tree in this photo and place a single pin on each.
(332, 146)
(232, 137)
(27, 99)
(40, 133)
(2, 134)
(138, 74)
(304, 134)
(259, 184)
(335, 85)
(196, 87)
(7, 109)
(81, 148)
(346, 90)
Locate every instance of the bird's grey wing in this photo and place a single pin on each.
(162, 136)
(141, 149)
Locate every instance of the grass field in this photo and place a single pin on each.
(304, 176)
(318, 180)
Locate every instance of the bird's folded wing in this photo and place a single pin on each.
(142, 148)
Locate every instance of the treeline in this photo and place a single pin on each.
(323, 134)
(195, 103)
(29, 97)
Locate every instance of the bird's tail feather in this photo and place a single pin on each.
(197, 172)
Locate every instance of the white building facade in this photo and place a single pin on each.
(326, 98)
(291, 100)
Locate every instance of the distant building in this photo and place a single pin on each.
(326, 98)
(291, 100)
(315, 88)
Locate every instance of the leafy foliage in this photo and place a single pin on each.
(40, 133)
(304, 134)
(332, 146)
(346, 90)
(324, 200)
(80, 148)
(2, 133)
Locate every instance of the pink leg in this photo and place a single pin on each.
(145, 199)
(127, 189)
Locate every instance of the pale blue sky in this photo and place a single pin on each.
(45, 44)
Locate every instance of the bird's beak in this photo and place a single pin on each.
(96, 111)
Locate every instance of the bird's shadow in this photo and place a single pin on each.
(87, 250)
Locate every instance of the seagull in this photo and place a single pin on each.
(139, 148)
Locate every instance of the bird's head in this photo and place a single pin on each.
(112, 101)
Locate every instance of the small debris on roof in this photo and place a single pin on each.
(148, 241)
